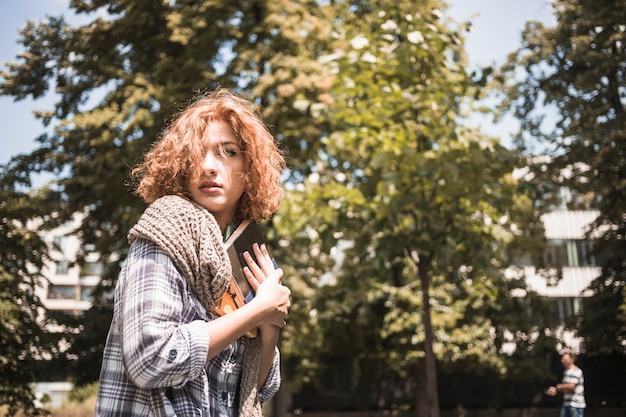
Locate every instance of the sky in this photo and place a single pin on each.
(497, 26)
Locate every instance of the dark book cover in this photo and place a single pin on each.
(242, 239)
(239, 291)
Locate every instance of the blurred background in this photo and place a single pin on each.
(454, 216)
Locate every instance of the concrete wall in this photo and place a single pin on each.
(56, 392)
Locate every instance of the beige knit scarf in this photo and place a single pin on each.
(191, 237)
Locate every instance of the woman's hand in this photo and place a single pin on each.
(265, 280)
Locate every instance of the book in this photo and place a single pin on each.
(240, 292)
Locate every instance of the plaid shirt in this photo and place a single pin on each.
(154, 360)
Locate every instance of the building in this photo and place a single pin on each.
(571, 252)
(67, 288)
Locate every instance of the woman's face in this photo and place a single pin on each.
(222, 183)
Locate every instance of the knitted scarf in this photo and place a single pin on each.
(191, 237)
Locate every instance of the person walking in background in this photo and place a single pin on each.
(572, 387)
(168, 351)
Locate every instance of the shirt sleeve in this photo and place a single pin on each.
(165, 341)
(272, 383)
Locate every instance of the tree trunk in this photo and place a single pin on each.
(427, 398)
(282, 401)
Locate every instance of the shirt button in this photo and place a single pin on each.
(172, 354)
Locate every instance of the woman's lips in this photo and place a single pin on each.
(210, 187)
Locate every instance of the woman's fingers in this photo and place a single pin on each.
(256, 276)
(262, 268)
(265, 279)
(252, 280)
(263, 258)
(278, 295)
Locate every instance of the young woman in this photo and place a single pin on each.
(168, 353)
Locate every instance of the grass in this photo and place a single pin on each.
(75, 409)
(68, 409)
(81, 403)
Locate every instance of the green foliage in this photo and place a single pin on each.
(117, 78)
(82, 394)
(421, 207)
(14, 343)
(23, 338)
(566, 85)
(367, 100)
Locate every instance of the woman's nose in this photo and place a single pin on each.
(210, 162)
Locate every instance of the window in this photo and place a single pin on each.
(570, 253)
(58, 242)
(86, 293)
(92, 268)
(62, 267)
(520, 259)
(584, 250)
(62, 292)
(564, 310)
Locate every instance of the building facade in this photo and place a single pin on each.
(68, 286)
(574, 267)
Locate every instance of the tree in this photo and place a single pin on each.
(422, 207)
(366, 98)
(567, 87)
(23, 339)
(117, 78)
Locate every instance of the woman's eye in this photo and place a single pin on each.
(226, 152)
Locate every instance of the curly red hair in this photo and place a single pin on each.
(178, 154)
